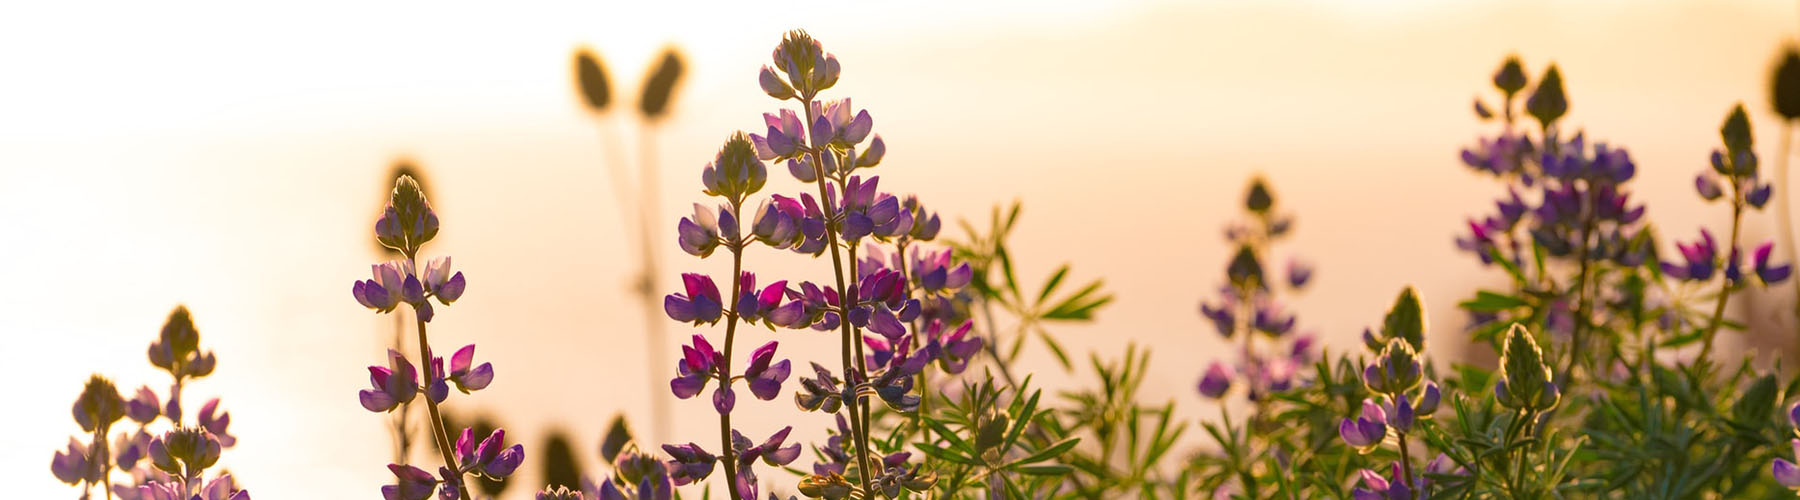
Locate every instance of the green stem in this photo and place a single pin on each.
(1577, 340)
(1718, 314)
(1406, 465)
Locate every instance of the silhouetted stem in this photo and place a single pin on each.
(837, 269)
(437, 419)
(729, 454)
(646, 289)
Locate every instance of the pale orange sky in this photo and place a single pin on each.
(229, 157)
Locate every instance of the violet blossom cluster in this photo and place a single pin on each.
(1736, 168)
(908, 297)
(1248, 306)
(162, 465)
(406, 224)
(1401, 400)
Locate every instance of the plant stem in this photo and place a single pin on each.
(837, 269)
(1406, 466)
(924, 389)
(1718, 314)
(862, 366)
(729, 454)
(437, 419)
(1576, 338)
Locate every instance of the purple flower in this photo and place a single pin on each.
(143, 407)
(393, 385)
(383, 292)
(1759, 195)
(836, 125)
(785, 137)
(1367, 431)
(1708, 187)
(411, 483)
(819, 392)
(932, 271)
(1216, 381)
(697, 366)
(770, 451)
(700, 235)
(468, 376)
(1223, 318)
(1298, 273)
(131, 448)
(753, 305)
(492, 457)
(773, 85)
(1769, 273)
(869, 212)
(1700, 255)
(445, 286)
(73, 467)
(701, 304)
(1379, 488)
(1786, 472)
(217, 425)
(689, 463)
(1268, 318)
(764, 378)
(954, 350)
(776, 227)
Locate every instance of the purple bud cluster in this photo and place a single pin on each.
(1248, 307)
(162, 465)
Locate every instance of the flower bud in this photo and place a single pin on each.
(1395, 371)
(99, 405)
(737, 171)
(1406, 320)
(773, 85)
(1548, 103)
(1784, 87)
(1511, 77)
(590, 76)
(1525, 381)
(1258, 199)
(1736, 133)
(1244, 270)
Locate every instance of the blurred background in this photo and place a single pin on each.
(232, 157)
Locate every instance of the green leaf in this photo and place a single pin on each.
(1044, 469)
(942, 454)
(1406, 320)
(1055, 279)
(1056, 348)
(1490, 302)
(1051, 452)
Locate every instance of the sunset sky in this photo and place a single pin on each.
(231, 157)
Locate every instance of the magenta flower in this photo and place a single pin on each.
(701, 303)
(753, 305)
(697, 366)
(393, 385)
(1700, 255)
(1367, 431)
(763, 377)
(868, 212)
(1216, 381)
(467, 376)
(491, 457)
